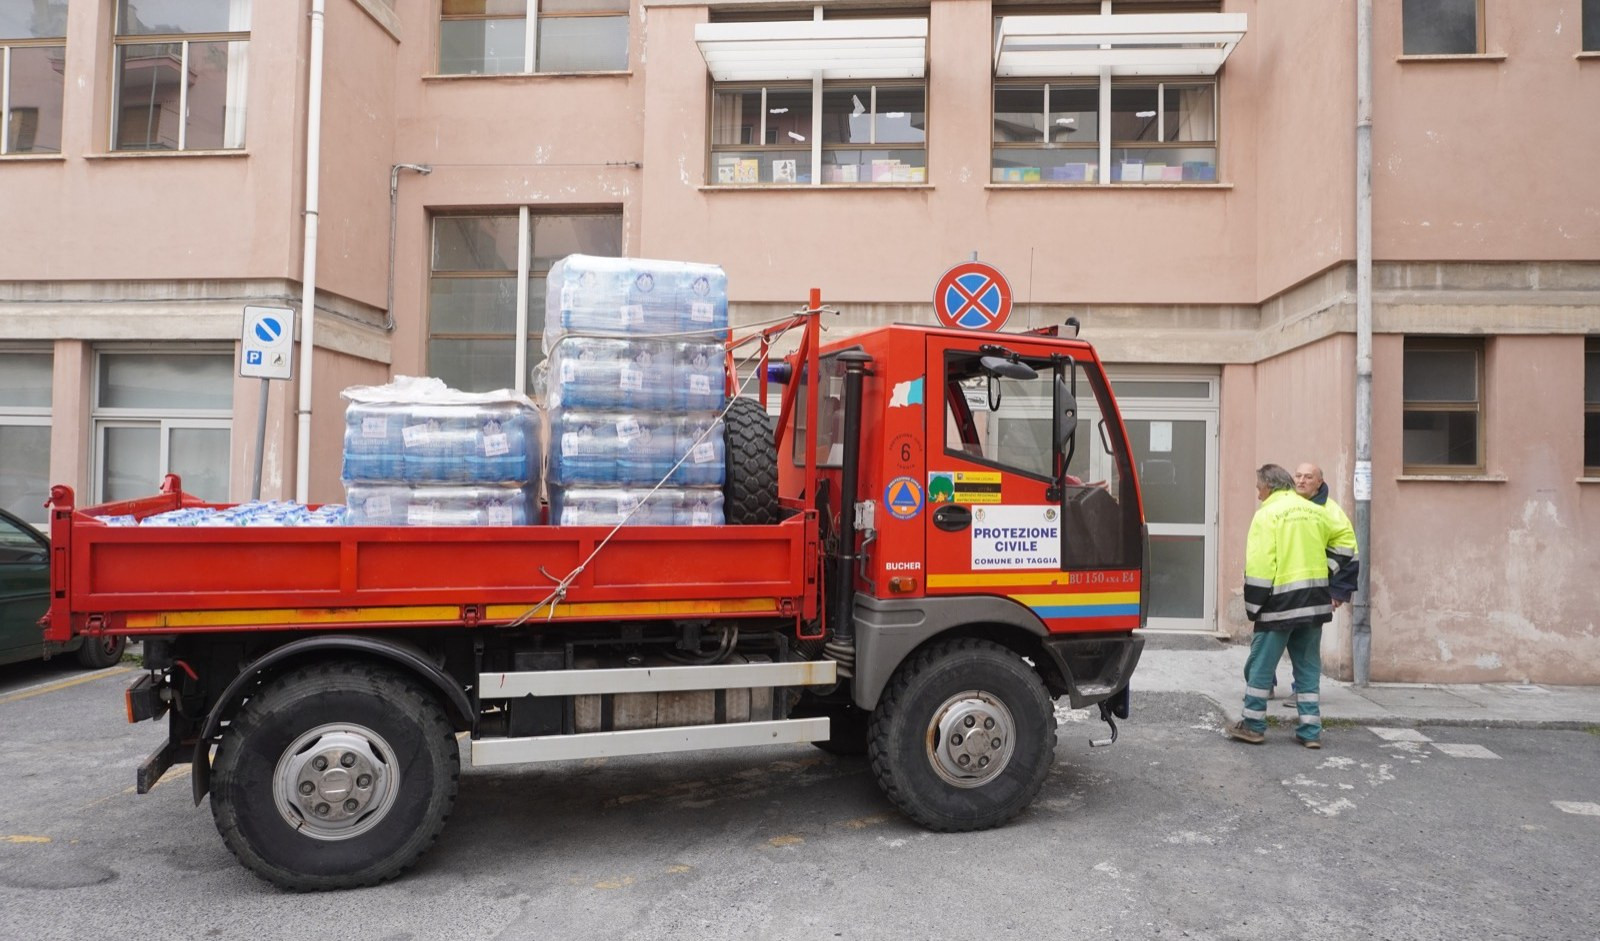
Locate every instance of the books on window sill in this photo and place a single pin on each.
(748, 171)
(878, 171)
(1073, 173)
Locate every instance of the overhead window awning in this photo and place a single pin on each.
(1126, 43)
(799, 49)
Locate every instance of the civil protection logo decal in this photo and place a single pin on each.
(903, 498)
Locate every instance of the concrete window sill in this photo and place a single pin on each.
(34, 158)
(1592, 56)
(1456, 57)
(1589, 480)
(808, 187)
(1453, 478)
(525, 76)
(1118, 187)
(164, 154)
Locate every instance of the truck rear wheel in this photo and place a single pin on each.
(335, 776)
(963, 736)
(750, 494)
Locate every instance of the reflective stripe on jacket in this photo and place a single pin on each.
(1286, 562)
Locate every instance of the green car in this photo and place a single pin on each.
(24, 597)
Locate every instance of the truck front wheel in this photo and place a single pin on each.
(335, 776)
(963, 736)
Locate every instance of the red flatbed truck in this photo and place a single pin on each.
(317, 679)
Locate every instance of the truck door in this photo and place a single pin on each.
(997, 523)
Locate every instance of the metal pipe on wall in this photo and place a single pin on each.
(394, 224)
(1361, 605)
(308, 264)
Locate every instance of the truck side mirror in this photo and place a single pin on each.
(1066, 413)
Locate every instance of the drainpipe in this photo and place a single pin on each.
(1361, 605)
(394, 217)
(308, 265)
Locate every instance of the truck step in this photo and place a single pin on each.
(508, 751)
(656, 679)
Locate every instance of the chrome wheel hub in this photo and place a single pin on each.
(970, 738)
(335, 781)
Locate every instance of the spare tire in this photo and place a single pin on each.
(750, 493)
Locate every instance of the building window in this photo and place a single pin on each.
(1046, 132)
(473, 331)
(1154, 132)
(1591, 25)
(158, 413)
(1591, 408)
(1443, 411)
(32, 55)
(25, 433)
(866, 133)
(180, 74)
(1442, 27)
(492, 37)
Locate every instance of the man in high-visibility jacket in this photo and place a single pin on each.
(1286, 565)
(1343, 567)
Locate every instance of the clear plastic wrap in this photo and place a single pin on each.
(425, 454)
(633, 297)
(612, 506)
(635, 448)
(398, 505)
(636, 375)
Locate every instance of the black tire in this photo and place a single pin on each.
(97, 653)
(916, 742)
(392, 729)
(750, 493)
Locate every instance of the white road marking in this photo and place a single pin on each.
(1575, 807)
(1399, 735)
(1465, 751)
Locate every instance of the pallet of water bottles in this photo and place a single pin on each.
(418, 453)
(634, 384)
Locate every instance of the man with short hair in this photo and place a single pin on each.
(1286, 595)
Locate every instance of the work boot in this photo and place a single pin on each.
(1244, 733)
(1293, 702)
(1311, 742)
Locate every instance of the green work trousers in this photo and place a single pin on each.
(1305, 654)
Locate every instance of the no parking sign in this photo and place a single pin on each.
(973, 296)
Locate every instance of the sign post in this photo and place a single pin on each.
(973, 296)
(266, 352)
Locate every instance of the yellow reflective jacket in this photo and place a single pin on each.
(1286, 562)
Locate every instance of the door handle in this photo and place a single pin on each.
(952, 518)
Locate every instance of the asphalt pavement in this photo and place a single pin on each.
(1405, 829)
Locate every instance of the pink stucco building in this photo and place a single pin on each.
(1179, 176)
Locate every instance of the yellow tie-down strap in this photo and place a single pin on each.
(435, 614)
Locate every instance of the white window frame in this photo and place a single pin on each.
(238, 79)
(530, 38)
(31, 416)
(6, 45)
(818, 86)
(1103, 122)
(525, 218)
(165, 420)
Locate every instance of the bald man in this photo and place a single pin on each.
(1343, 566)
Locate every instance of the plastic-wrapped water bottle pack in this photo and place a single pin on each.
(254, 513)
(635, 381)
(418, 453)
(393, 505)
(596, 448)
(635, 506)
(634, 297)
